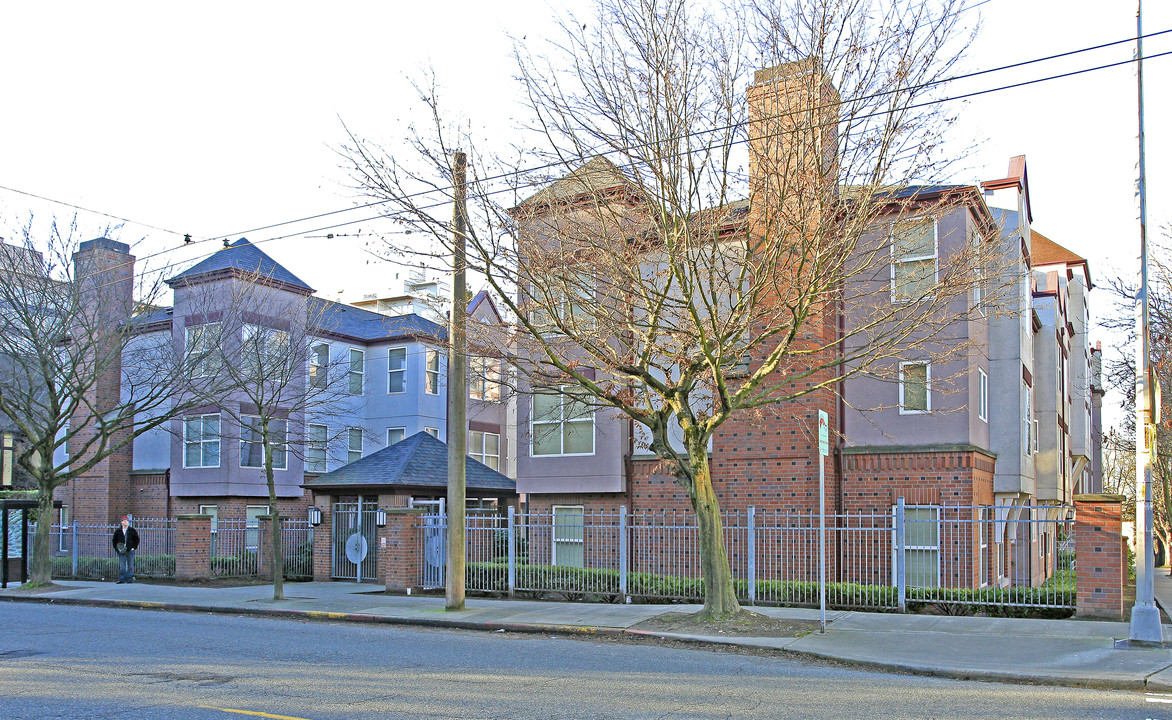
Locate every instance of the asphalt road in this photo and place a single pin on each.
(73, 662)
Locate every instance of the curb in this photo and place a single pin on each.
(583, 630)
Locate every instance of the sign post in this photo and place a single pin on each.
(823, 451)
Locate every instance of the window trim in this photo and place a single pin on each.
(401, 370)
(432, 431)
(283, 444)
(431, 378)
(400, 429)
(351, 433)
(209, 366)
(934, 257)
(480, 369)
(312, 446)
(360, 373)
(982, 395)
(319, 369)
(936, 511)
(561, 422)
(480, 454)
(553, 534)
(903, 410)
(218, 441)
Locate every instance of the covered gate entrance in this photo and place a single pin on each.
(353, 545)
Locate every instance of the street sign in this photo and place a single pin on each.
(823, 433)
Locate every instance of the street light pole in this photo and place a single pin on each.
(1145, 616)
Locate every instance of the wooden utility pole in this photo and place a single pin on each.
(457, 393)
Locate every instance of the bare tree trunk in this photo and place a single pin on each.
(720, 599)
(274, 517)
(42, 560)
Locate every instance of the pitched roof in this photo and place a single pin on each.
(352, 322)
(418, 461)
(1045, 251)
(595, 176)
(240, 257)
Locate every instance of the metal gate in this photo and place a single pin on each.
(435, 542)
(354, 554)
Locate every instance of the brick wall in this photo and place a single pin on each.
(400, 558)
(193, 547)
(1101, 570)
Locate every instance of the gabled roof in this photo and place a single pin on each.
(1045, 251)
(238, 259)
(483, 301)
(594, 177)
(419, 461)
(358, 324)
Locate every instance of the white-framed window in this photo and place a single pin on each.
(485, 447)
(214, 512)
(263, 349)
(484, 379)
(921, 552)
(203, 346)
(432, 372)
(560, 425)
(915, 387)
(1034, 439)
(979, 272)
(319, 363)
(316, 443)
(7, 458)
(1027, 420)
(396, 370)
(63, 537)
(395, 434)
(357, 373)
(201, 441)
(434, 432)
(252, 447)
(913, 259)
(982, 395)
(353, 444)
(987, 526)
(572, 301)
(569, 536)
(252, 515)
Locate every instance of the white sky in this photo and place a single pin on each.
(220, 117)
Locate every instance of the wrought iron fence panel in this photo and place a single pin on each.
(234, 547)
(86, 551)
(297, 544)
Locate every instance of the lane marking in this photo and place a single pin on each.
(1166, 701)
(251, 712)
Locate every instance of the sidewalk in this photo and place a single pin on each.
(1056, 652)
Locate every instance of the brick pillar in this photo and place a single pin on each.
(322, 541)
(264, 547)
(1100, 560)
(400, 550)
(193, 547)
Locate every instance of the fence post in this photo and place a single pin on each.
(73, 539)
(512, 534)
(752, 549)
(900, 574)
(623, 552)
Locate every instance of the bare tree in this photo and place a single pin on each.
(277, 383)
(79, 381)
(653, 274)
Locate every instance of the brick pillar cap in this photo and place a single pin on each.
(193, 516)
(1099, 498)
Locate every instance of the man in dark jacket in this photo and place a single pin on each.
(125, 542)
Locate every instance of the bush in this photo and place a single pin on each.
(595, 585)
(107, 567)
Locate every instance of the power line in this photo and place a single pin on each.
(95, 212)
(580, 157)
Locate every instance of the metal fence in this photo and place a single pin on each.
(235, 544)
(943, 556)
(83, 551)
(297, 543)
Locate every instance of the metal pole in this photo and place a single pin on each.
(512, 536)
(73, 552)
(1145, 616)
(752, 550)
(457, 397)
(900, 570)
(624, 551)
(822, 543)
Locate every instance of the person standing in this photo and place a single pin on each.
(125, 542)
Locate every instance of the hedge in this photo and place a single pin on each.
(107, 567)
(597, 585)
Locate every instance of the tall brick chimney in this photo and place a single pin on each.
(104, 274)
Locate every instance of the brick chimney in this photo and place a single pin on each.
(104, 275)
